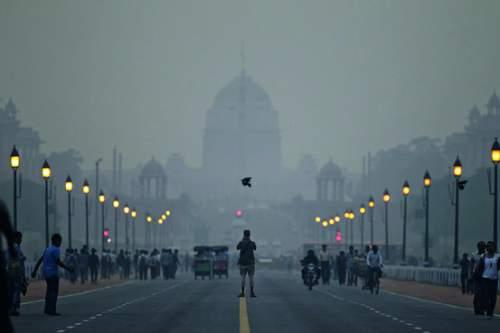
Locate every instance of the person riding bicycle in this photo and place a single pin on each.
(310, 258)
(375, 264)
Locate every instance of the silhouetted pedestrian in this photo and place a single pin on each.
(93, 265)
(247, 262)
(7, 231)
(51, 263)
(490, 265)
(477, 275)
(341, 267)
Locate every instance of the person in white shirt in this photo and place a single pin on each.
(324, 260)
(491, 266)
(375, 264)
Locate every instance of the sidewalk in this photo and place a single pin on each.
(36, 289)
(442, 294)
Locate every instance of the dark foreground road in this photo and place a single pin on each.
(283, 305)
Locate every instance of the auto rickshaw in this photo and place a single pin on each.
(221, 261)
(202, 262)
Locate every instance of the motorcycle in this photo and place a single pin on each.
(310, 277)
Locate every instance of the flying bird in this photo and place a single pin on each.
(247, 181)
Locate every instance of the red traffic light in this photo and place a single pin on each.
(238, 213)
(338, 237)
(105, 233)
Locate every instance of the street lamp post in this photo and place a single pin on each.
(133, 214)
(126, 211)
(116, 205)
(362, 212)
(352, 216)
(149, 220)
(46, 173)
(69, 188)
(387, 198)
(15, 163)
(97, 187)
(102, 200)
(427, 186)
(457, 172)
(371, 205)
(495, 158)
(346, 219)
(86, 191)
(405, 191)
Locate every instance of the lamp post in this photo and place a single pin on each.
(97, 187)
(352, 216)
(86, 191)
(495, 158)
(457, 173)
(371, 205)
(133, 214)
(15, 163)
(116, 205)
(102, 200)
(68, 185)
(427, 186)
(387, 198)
(362, 212)
(46, 173)
(149, 220)
(346, 219)
(406, 192)
(160, 222)
(126, 211)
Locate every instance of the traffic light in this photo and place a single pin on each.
(105, 233)
(338, 236)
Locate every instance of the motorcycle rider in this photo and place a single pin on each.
(375, 264)
(310, 258)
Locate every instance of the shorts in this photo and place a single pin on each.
(247, 269)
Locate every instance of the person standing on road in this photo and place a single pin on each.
(83, 265)
(51, 259)
(464, 272)
(490, 265)
(476, 260)
(246, 262)
(375, 264)
(324, 259)
(93, 265)
(7, 231)
(17, 276)
(341, 263)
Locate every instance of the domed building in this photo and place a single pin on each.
(330, 183)
(153, 181)
(242, 136)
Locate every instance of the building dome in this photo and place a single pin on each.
(494, 102)
(153, 169)
(330, 170)
(242, 90)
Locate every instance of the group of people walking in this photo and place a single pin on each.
(479, 275)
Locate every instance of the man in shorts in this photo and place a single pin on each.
(246, 262)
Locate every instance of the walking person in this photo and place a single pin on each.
(324, 259)
(7, 231)
(490, 265)
(246, 262)
(17, 276)
(341, 267)
(464, 272)
(476, 260)
(51, 263)
(83, 265)
(93, 265)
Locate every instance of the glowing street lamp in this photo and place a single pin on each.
(362, 212)
(126, 211)
(457, 172)
(387, 198)
(15, 164)
(406, 192)
(495, 159)
(46, 173)
(116, 205)
(371, 206)
(68, 185)
(102, 200)
(86, 191)
(427, 186)
(317, 219)
(167, 212)
(133, 214)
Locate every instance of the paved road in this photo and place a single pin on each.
(283, 305)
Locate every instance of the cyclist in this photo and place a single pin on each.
(375, 264)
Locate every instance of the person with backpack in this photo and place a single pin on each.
(246, 262)
(477, 279)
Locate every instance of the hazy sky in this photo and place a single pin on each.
(346, 76)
